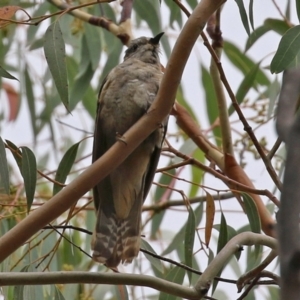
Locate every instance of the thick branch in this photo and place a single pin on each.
(41, 278)
(158, 111)
(234, 245)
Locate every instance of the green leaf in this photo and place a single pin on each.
(89, 101)
(4, 174)
(245, 86)
(93, 42)
(197, 173)
(251, 14)
(252, 213)
(114, 47)
(253, 217)
(287, 51)
(255, 35)
(16, 153)
(298, 9)
(179, 237)
(29, 174)
(5, 74)
(149, 11)
(30, 101)
(57, 294)
(278, 26)
(165, 179)
(175, 275)
(82, 83)
(55, 53)
(65, 167)
(189, 241)
(155, 262)
(244, 63)
(175, 13)
(222, 241)
(243, 14)
(272, 94)
(211, 103)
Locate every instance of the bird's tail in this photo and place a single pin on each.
(116, 240)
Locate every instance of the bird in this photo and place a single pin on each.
(125, 96)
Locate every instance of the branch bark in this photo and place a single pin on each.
(158, 111)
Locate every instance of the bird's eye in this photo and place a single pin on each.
(134, 47)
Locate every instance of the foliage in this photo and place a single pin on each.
(52, 62)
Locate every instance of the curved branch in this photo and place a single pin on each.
(234, 245)
(158, 111)
(41, 278)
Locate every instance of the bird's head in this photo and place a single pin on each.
(144, 49)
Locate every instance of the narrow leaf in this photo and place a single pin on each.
(65, 167)
(30, 100)
(252, 213)
(57, 294)
(55, 53)
(29, 174)
(93, 42)
(253, 217)
(222, 241)
(5, 74)
(16, 153)
(210, 216)
(189, 241)
(155, 262)
(4, 174)
(243, 14)
(245, 86)
(244, 63)
(176, 275)
(287, 51)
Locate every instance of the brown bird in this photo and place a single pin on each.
(125, 96)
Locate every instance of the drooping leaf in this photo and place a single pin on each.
(5, 74)
(210, 217)
(251, 14)
(179, 237)
(155, 262)
(175, 275)
(93, 42)
(222, 241)
(189, 241)
(197, 173)
(211, 103)
(252, 213)
(55, 53)
(82, 83)
(29, 174)
(244, 63)
(287, 51)
(159, 192)
(245, 86)
(243, 14)
(30, 101)
(65, 167)
(16, 153)
(57, 294)
(4, 174)
(253, 217)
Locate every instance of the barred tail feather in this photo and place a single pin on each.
(116, 240)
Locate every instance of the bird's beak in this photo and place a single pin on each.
(155, 40)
